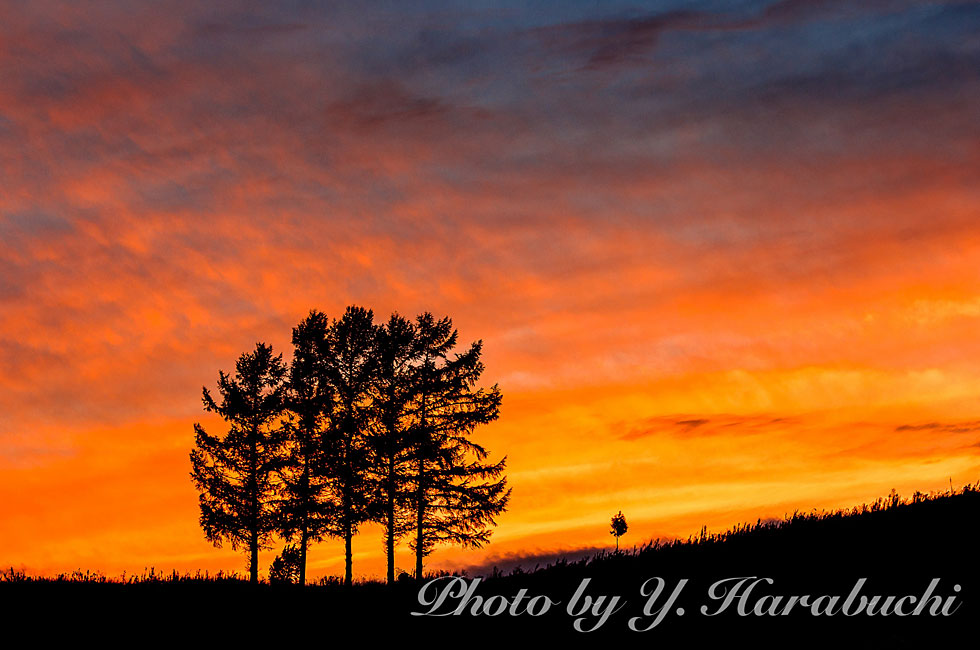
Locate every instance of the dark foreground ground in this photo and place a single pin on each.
(898, 547)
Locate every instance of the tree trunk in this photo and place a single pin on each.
(304, 534)
(303, 540)
(348, 489)
(253, 562)
(348, 558)
(419, 518)
(253, 542)
(420, 496)
(390, 541)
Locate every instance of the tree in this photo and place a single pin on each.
(456, 495)
(618, 527)
(350, 370)
(307, 508)
(396, 350)
(236, 474)
(286, 569)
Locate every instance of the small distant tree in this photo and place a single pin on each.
(237, 473)
(618, 528)
(286, 568)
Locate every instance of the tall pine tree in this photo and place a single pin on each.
(350, 370)
(236, 474)
(455, 494)
(308, 508)
(397, 350)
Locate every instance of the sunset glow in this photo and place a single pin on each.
(724, 256)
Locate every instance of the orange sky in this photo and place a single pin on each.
(725, 264)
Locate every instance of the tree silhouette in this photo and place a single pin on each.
(618, 527)
(350, 370)
(368, 423)
(455, 495)
(236, 474)
(287, 569)
(396, 352)
(307, 508)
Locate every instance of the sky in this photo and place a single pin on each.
(724, 256)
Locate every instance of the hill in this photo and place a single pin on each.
(806, 581)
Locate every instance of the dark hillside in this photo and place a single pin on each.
(898, 546)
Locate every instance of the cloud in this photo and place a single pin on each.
(616, 41)
(684, 426)
(629, 40)
(375, 105)
(676, 231)
(940, 428)
(220, 29)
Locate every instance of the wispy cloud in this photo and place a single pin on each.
(679, 232)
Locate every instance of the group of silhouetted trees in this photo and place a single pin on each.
(367, 423)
